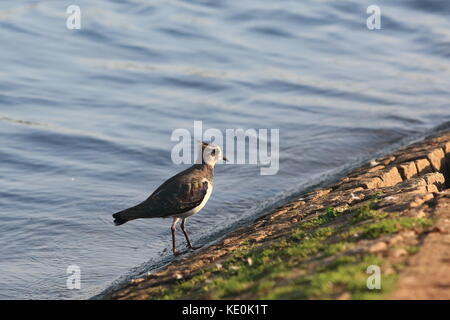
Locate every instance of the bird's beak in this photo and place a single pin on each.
(225, 159)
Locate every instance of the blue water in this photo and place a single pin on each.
(86, 115)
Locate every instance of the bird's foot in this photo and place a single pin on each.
(177, 253)
(194, 247)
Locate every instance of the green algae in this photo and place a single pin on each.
(307, 263)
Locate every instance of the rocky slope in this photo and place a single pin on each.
(392, 213)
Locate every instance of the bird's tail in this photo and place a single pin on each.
(119, 219)
(126, 215)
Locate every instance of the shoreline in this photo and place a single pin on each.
(390, 212)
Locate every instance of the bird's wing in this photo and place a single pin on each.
(176, 197)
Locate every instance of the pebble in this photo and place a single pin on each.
(399, 252)
(419, 214)
(138, 280)
(344, 296)
(373, 163)
(377, 247)
(395, 239)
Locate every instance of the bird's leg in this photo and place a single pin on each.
(173, 228)
(183, 228)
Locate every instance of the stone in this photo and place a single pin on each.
(423, 166)
(377, 247)
(353, 184)
(402, 203)
(314, 195)
(389, 270)
(297, 204)
(395, 239)
(408, 234)
(418, 214)
(178, 276)
(373, 163)
(390, 177)
(376, 168)
(398, 252)
(137, 280)
(413, 183)
(277, 214)
(372, 183)
(434, 178)
(344, 296)
(386, 160)
(435, 157)
(419, 200)
(407, 170)
(447, 147)
(411, 154)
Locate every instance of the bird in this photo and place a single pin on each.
(181, 196)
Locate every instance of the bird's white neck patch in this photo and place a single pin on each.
(209, 154)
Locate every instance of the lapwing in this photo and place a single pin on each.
(179, 197)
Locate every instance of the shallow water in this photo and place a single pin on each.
(86, 116)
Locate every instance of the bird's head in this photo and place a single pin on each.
(211, 153)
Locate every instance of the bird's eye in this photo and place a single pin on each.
(213, 152)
